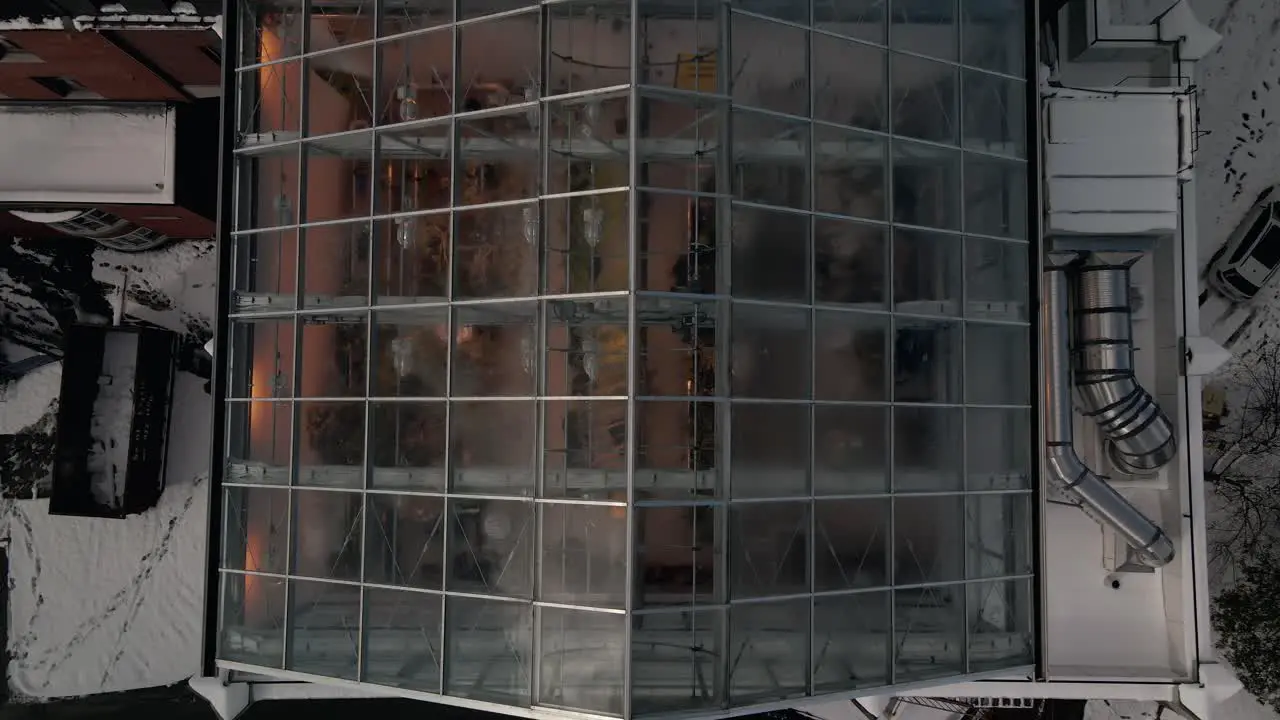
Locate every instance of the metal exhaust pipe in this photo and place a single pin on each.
(1098, 499)
(1140, 438)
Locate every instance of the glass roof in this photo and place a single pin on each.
(586, 357)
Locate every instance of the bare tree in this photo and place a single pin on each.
(1243, 461)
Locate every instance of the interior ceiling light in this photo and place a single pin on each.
(530, 228)
(592, 224)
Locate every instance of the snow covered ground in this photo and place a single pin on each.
(103, 605)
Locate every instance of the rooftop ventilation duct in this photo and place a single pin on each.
(1098, 499)
(1140, 438)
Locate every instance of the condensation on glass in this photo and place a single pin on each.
(630, 356)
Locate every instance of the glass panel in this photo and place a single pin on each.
(590, 45)
(499, 161)
(491, 79)
(928, 449)
(326, 538)
(676, 553)
(412, 255)
(928, 27)
(851, 358)
(495, 350)
(333, 356)
(999, 535)
(995, 196)
(770, 254)
(418, 15)
(490, 650)
(924, 98)
(251, 629)
(927, 277)
(583, 660)
(994, 35)
(770, 65)
(769, 543)
(850, 260)
(257, 529)
(850, 81)
(850, 169)
(676, 449)
(676, 340)
(928, 540)
(267, 350)
(266, 263)
(340, 94)
(331, 444)
(585, 455)
(770, 449)
(1000, 625)
(496, 252)
(771, 160)
(851, 449)
(278, 107)
(680, 141)
(928, 629)
(861, 19)
(772, 352)
(589, 145)
(584, 554)
(335, 265)
(770, 650)
(926, 185)
(999, 456)
(404, 541)
(927, 361)
(851, 547)
(850, 641)
(995, 114)
(411, 352)
(259, 434)
(474, 9)
(402, 639)
(998, 283)
(586, 347)
(587, 243)
(491, 547)
(493, 447)
(677, 245)
(409, 441)
(416, 72)
(331, 166)
(997, 364)
(274, 200)
(324, 629)
(676, 661)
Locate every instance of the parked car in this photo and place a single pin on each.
(1251, 255)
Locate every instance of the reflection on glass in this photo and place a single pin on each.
(924, 99)
(268, 346)
(331, 164)
(770, 449)
(324, 625)
(252, 626)
(770, 646)
(326, 534)
(998, 364)
(266, 263)
(677, 347)
(259, 437)
(850, 173)
(928, 539)
(495, 252)
(926, 185)
(998, 284)
(335, 265)
(769, 543)
(995, 192)
(927, 360)
(409, 444)
(770, 65)
(928, 272)
(340, 95)
(676, 449)
(678, 244)
(994, 35)
(851, 544)
(771, 354)
(333, 356)
(331, 446)
(587, 243)
(583, 660)
(850, 81)
(590, 45)
(994, 114)
(1000, 456)
(928, 448)
(999, 535)
(257, 529)
(412, 255)
(851, 449)
(274, 202)
(418, 15)
(851, 641)
(416, 71)
(675, 661)
(585, 454)
(1000, 625)
(586, 347)
(861, 19)
(851, 357)
(489, 644)
(491, 547)
(676, 552)
(928, 27)
(402, 639)
(481, 67)
(770, 160)
(850, 262)
(411, 348)
(681, 141)
(770, 254)
(493, 446)
(495, 350)
(404, 541)
(584, 554)
(928, 633)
